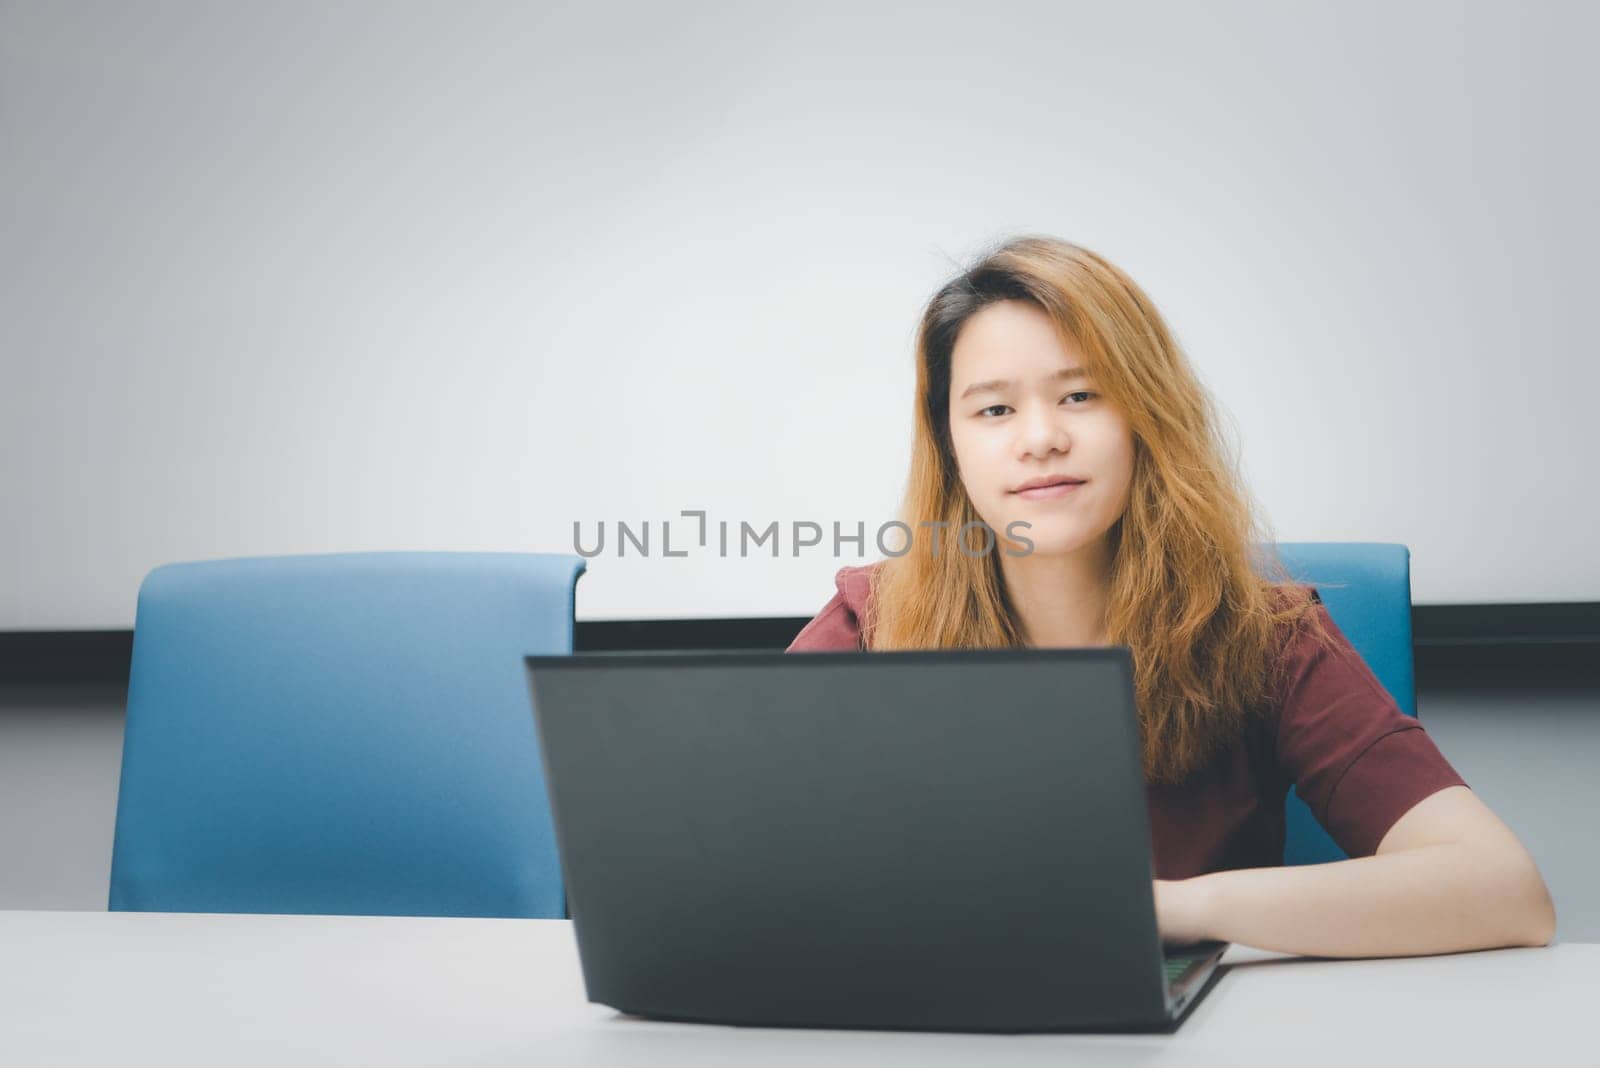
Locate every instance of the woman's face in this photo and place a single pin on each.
(1018, 412)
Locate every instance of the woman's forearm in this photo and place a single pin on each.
(1433, 899)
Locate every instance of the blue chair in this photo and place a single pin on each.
(345, 734)
(1367, 590)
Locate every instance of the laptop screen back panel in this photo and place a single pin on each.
(921, 840)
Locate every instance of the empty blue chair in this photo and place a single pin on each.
(341, 734)
(1367, 590)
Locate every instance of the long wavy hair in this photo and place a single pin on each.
(1196, 593)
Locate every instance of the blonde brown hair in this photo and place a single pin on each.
(1197, 594)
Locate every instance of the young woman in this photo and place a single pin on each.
(1056, 415)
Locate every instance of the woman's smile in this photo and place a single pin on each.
(1052, 492)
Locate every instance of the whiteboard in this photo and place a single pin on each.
(280, 279)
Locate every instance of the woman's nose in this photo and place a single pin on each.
(1042, 432)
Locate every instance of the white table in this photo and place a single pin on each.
(93, 988)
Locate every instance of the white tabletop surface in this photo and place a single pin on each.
(95, 988)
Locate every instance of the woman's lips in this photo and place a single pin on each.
(1049, 493)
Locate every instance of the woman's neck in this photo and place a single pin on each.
(1060, 599)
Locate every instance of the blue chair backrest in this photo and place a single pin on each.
(1367, 590)
(343, 734)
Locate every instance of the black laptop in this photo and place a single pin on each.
(903, 840)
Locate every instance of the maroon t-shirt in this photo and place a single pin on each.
(1333, 732)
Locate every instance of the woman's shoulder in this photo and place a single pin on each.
(1288, 595)
(837, 627)
(1304, 635)
(1303, 620)
(854, 585)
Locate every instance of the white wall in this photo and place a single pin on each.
(453, 276)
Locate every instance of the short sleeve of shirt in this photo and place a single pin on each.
(1357, 760)
(837, 628)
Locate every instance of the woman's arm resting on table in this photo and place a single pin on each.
(1447, 877)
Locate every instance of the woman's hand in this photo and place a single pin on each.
(1181, 911)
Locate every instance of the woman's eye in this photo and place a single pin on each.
(991, 408)
(1080, 393)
